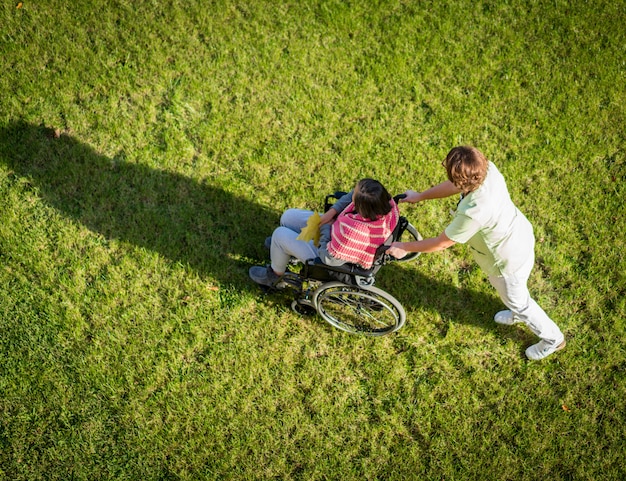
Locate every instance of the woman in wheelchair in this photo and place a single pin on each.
(350, 231)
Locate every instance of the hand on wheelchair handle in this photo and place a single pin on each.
(398, 198)
(395, 251)
(410, 196)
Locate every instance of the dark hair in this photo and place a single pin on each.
(466, 167)
(371, 199)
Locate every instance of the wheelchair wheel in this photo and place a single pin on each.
(409, 234)
(368, 311)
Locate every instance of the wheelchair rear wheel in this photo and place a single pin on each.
(409, 234)
(367, 311)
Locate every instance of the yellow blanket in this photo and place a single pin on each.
(312, 230)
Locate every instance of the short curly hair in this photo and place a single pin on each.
(466, 167)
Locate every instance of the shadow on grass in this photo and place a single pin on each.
(452, 304)
(196, 224)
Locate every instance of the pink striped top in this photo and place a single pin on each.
(355, 238)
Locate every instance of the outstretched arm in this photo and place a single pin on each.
(439, 191)
(433, 244)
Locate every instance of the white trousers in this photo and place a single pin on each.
(513, 290)
(284, 242)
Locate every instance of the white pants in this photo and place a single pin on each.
(285, 244)
(513, 291)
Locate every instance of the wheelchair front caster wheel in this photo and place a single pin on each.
(303, 307)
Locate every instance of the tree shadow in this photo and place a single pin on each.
(195, 223)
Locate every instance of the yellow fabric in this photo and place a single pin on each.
(312, 230)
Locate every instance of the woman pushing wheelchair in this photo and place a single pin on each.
(351, 231)
(499, 235)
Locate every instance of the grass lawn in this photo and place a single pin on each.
(148, 148)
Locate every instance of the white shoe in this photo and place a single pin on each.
(543, 349)
(506, 317)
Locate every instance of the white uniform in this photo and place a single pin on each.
(502, 242)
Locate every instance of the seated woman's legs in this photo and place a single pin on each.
(295, 219)
(285, 245)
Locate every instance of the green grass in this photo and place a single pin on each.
(146, 150)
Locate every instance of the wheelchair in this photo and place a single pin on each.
(345, 295)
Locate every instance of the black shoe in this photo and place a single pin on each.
(263, 275)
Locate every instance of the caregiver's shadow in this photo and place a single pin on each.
(187, 221)
(454, 304)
